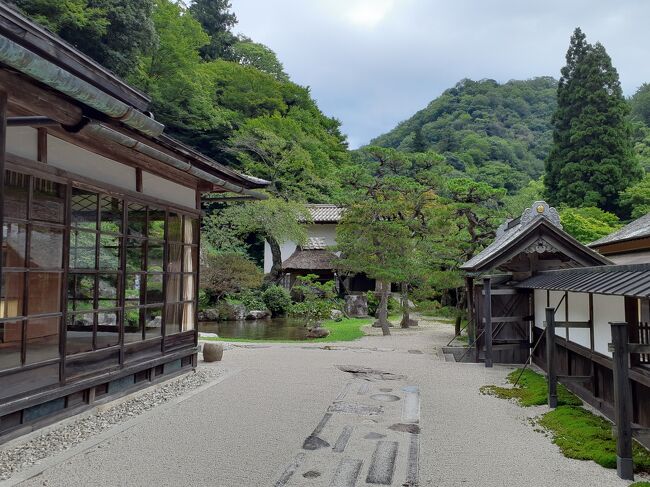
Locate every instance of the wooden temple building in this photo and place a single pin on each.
(534, 266)
(100, 216)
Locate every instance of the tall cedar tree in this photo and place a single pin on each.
(592, 158)
(217, 20)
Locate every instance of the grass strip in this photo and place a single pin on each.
(531, 390)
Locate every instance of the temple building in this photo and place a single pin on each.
(100, 213)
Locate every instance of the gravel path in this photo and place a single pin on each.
(251, 429)
(16, 458)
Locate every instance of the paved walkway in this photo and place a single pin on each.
(288, 415)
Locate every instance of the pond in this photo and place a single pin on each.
(272, 329)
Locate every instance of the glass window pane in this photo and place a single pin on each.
(48, 201)
(108, 295)
(44, 293)
(16, 193)
(134, 255)
(111, 214)
(188, 317)
(191, 230)
(107, 330)
(84, 209)
(82, 250)
(42, 339)
(153, 322)
(137, 215)
(81, 292)
(188, 287)
(174, 230)
(154, 257)
(154, 293)
(11, 294)
(79, 337)
(156, 224)
(11, 335)
(13, 248)
(133, 291)
(132, 325)
(109, 252)
(173, 288)
(189, 254)
(173, 318)
(46, 248)
(174, 257)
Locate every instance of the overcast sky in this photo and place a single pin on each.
(373, 63)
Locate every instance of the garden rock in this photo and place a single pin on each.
(258, 314)
(212, 352)
(336, 315)
(239, 311)
(210, 314)
(356, 305)
(317, 332)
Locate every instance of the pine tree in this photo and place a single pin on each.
(592, 158)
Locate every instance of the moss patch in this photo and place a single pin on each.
(640, 484)
(582, 435)
(531, 390)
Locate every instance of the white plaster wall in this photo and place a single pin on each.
(164, 189)
(22, 141)
(540, 307)
(606, 309)
(319, 230)
(560, 315)
(79, 161)
(579, 311)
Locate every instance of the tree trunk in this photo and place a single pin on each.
(406, 315)
(275, 274)
(382, 312)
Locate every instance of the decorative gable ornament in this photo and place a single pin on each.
(541, 246)
(541, 208)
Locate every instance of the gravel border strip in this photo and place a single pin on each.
(17, 458)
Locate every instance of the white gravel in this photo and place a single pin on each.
(21, 456)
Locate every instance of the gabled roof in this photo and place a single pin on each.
(538, 230)
(639, 228)
(325, 213)
(618, 280)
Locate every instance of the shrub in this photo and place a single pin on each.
(277, 300)
(229, 273)
(252, 299)
(204, 300)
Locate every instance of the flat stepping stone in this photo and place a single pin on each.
(347, 473)
(382, 465)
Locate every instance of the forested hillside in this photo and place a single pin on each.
(496, 133)
(222, 93)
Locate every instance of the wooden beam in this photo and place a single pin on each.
(505, 292)
(631, 347)
(42, 145)
(622, 401)
(574, 378)
(573, 324)
(39, 101)
(550, 358)
(508, 319)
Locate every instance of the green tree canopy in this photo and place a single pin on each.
(636, 199)
(592, 158)
(217, 20)
(588, 224)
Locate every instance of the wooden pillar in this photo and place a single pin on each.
(487, 320)
(623, 400)
(551, 372)
(3, 156)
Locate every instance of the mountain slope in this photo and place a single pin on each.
(497, 133)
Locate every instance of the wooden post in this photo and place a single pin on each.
(623, 401)
(551, 373)
(487, 317)
(3, 154)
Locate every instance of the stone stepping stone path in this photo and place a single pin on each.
(368, 436)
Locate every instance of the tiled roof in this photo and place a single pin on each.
(309, 260)
(637, 229)
(325, 213)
